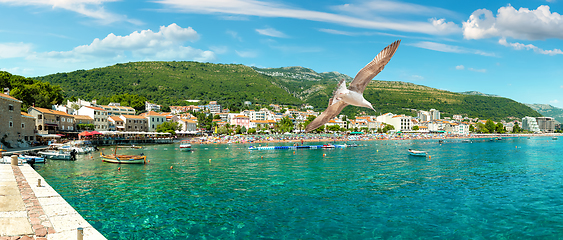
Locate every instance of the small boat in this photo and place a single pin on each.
(417, 153)
(57, 155)
(185, 146)
(554, 138)
(31, 159)
(125, 159)
(328, 146)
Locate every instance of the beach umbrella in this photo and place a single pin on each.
(85, 133)
(95, 133)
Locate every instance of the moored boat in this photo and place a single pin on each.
(125, 159)
(57, 155)
(31, 159)
(185, 146)
(417, 153)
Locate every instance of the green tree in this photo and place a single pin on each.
(168, 127)
(333, 128)
(499, 128)
(481, 128)
(490, 125)
(320, 129)
(85, 126)
(471, 128)
(415, 128)
(284, 125)
(252, 131)
(516, 128)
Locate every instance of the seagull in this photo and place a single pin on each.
(354, 94)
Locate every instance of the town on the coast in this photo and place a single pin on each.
(67, 121)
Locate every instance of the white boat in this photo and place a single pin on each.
(31, 159)
(417, 153)
(185, 146)
(56, 155)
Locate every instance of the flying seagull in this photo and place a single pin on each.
(354, 94)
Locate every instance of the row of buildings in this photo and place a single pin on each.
(20, 128)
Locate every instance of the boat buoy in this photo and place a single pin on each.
(171, 167)
(429, 157)
(119, 169)
(324, 154)
(293, 152)
(377, 150)
(262, 157)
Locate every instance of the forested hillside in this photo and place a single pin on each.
(170, 83)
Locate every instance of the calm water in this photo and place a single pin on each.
(504, 189)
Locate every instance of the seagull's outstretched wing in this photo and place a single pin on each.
(329, 113)
(367, 73)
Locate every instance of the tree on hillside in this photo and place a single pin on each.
(31, 92)
(284, 125)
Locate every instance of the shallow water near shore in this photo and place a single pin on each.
(485, 189)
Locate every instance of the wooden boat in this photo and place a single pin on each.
(554, 138)
(185, 146)
(123, 159)
(417, 153)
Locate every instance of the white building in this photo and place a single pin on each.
(152, 107)
(457, 128)
(99, 115)
(424, 116)
(530, 124)
(154, 119)
(187, 125)
(435, 114)
(401, 122)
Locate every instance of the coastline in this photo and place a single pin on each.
(299, 138)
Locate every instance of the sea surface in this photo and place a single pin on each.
(502, 189)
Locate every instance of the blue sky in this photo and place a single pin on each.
(507, 48)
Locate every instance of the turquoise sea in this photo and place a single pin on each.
(506, 189)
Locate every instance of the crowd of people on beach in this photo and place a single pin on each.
(306, 137)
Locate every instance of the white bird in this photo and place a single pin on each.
(354, 94)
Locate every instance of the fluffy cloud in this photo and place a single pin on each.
(459, 67)
(14, 50)
(271, 32)
(90, 8)
(520, 46)
(523, 23)
(166, 44)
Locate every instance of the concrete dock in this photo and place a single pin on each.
(29, 211)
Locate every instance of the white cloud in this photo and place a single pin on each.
(166, 44)
(234, 35)
(271, 33)
(440, 47)
(276, 10)
(461, 67)
(14, 50)
(219, 49)
(417, 77)
(477, 70)
(520, 46)
(555, 101)
(538, 24)
(89, 8)
(247, 54)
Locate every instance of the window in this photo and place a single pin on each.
(23, 125)
(63, 127)
(11, 124)
(11, 107)
(70, 128)
(58, 118)
(64, 119)
(39, 116)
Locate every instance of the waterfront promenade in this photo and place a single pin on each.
(32, 211)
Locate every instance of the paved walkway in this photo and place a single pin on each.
(29, 211)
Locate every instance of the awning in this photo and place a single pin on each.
(51, 124)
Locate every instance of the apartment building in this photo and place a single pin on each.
(52, 121)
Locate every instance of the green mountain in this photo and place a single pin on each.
(171, 83)
(479, 94)
(396, 97)
(548, 111)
